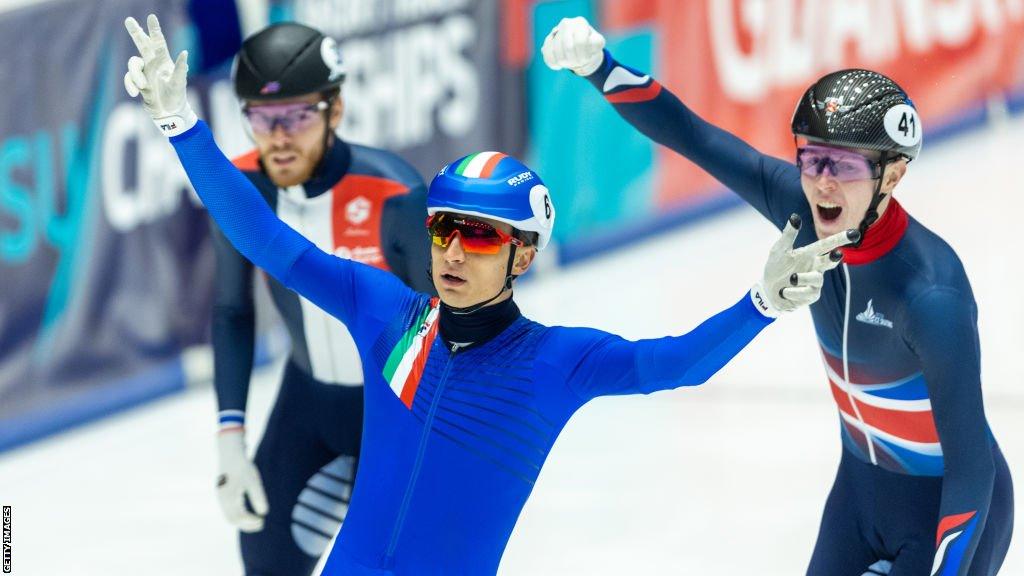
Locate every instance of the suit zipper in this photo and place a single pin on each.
(418, 463)
(846, 369)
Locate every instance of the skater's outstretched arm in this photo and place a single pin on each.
(769, 184)
(350, 291)
(604, 364)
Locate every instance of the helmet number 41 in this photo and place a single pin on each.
(902, 125)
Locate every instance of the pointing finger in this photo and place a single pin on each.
(139, 37)
(157, 40)
(834, 241)
(826, 262)
(785, 242)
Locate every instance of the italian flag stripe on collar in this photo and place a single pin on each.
(404, 367)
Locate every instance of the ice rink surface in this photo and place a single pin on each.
(724, 479)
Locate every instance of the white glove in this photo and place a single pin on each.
(237, 479)
(160, 81)
(575, 45)
(793, 277)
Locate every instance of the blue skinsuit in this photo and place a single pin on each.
(922, 482)
(453, 441)
(369, 204)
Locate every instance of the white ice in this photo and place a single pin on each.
(725, 479)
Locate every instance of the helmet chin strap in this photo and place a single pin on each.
(327, 137)
(871, 216)
(509, 277)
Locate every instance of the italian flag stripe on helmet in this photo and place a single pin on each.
(479, 165)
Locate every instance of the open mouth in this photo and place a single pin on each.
(828, 212)
(452, 279)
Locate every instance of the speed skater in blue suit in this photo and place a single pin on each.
(464, 396)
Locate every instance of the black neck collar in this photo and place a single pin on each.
(479, 326)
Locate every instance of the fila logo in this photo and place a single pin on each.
(869, 316)
(760, 301)
(357, 210)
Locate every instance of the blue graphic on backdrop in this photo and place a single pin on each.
(96, 303)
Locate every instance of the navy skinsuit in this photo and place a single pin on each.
(364, 204)
(922, 483)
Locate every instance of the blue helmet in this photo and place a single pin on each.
(496, 186)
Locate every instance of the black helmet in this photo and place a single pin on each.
(859, 109)
(287, 60)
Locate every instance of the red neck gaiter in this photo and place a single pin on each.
(881, 237)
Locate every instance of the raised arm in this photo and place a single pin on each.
(332, 283)
(350, 291)
(769, 184)
(942, 331)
